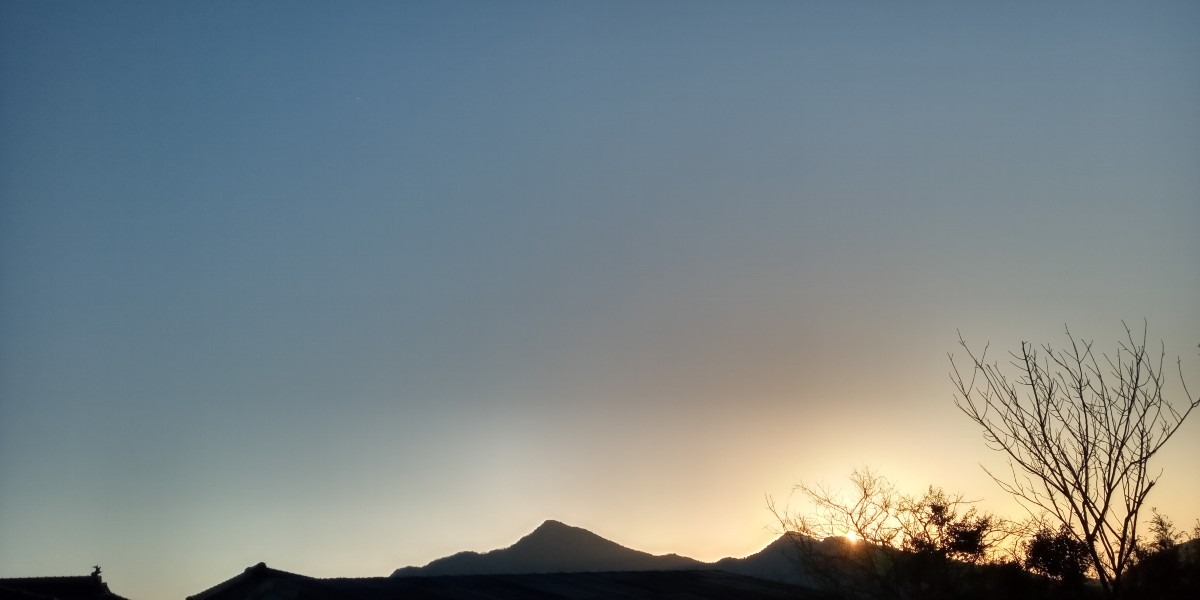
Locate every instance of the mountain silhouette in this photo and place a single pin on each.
(556, 548)
(778, 561)
(553, 547)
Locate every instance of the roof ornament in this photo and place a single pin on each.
(96, 573)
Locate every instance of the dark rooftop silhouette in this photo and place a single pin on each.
(83, 587)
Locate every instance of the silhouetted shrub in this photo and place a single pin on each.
(1058, 555)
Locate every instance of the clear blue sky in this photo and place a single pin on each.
(345, 287)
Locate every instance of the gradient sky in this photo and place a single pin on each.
(345, 287)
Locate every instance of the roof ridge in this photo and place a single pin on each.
(260, 569)
(47, 579)
(50, 577)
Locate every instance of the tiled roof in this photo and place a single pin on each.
(253, 576)
(13, 594)
(86, 587)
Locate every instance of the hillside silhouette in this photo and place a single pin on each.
(777, 562)
(557, 548)
(553, 547)
(260, 582)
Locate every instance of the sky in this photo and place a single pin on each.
(346, 287)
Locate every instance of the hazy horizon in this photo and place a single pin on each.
(346, 287)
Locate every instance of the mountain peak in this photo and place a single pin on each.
(551, 524)
(554, 547)
(557, 530)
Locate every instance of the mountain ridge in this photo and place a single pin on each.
(554, 547)
(557, 548)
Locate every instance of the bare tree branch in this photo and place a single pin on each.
(1078, 436)
(872, 541)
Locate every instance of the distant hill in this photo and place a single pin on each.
(260, 582)
(1174, 573)
(554, 547)
(776, 562)
(558, 548)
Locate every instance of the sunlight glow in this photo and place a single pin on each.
(852, 537)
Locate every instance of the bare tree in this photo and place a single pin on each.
(874, 542)
(842, 544)
(1079, 431)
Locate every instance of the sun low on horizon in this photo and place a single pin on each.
(349, 287)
